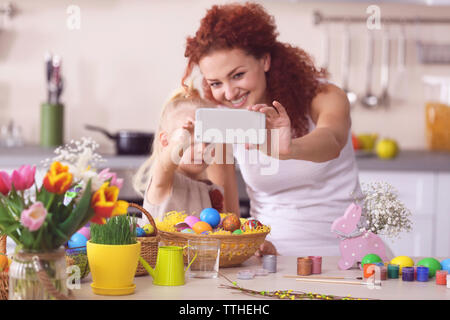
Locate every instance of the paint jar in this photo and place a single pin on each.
(270, 262)
(316, 264)
(383, 274)
(393, 271)
(408, 273)
(368, 270)
(441, 277)
(422, 274)
(304, 266)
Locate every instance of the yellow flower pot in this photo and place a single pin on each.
(113, 267)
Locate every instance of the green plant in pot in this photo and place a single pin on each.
(113, 254)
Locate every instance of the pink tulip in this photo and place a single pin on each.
(23, 178)
(5, 183)
(105, 174)
(33, 217)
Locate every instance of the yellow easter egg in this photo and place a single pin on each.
(403, 261)
(149, 229)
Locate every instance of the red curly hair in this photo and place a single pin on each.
(292, 79)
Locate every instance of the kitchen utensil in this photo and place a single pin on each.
(326, 47)
(384, 99)
(400, 88)
(369, 100)
(346, 56)
(169, 269)
(128, 142)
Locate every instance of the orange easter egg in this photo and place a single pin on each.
(201, 226)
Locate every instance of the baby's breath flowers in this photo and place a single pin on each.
(383, 213)
(81, 157)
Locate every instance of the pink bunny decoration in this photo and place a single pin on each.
(354, 244)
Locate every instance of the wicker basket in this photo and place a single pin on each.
(4, 277)
(77, 256)
(234, 249)
(149, 245)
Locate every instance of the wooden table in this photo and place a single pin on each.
(209, 289)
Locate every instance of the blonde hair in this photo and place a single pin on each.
(187, 94)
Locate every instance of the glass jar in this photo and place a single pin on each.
(437, 112)
(24, 283)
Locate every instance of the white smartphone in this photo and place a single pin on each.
(214, 125)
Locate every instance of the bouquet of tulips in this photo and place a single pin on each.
(43, 216)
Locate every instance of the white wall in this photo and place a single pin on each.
(129, 55)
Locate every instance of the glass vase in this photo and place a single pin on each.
(28, 282)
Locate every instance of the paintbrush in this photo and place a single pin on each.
(331, 281)
(322, 277)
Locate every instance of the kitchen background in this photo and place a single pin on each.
(128, 55)
(122, 59)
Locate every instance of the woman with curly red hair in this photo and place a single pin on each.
(244, 66)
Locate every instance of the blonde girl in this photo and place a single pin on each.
(174, 177)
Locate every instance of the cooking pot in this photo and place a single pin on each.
(128, 142)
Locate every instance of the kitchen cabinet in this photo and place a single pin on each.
(426, 195)
(442, 229)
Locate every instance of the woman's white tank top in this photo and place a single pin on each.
(300, 199)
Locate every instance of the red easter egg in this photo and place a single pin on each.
(231, 223)
(201, 226)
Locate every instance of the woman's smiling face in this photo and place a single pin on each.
(236, 79)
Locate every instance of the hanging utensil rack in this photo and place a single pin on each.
(319, 18)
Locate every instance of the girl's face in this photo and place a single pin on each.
(236, 79)
(194, 159)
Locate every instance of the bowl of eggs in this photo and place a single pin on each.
(239, 237)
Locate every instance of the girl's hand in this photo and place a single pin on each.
(179, 141)
(277, 119)
(181, 137)
(265, 249)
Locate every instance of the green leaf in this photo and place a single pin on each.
(73, 222)
(57, 233)
(27, 238)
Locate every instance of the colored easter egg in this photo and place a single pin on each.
(432, 264)
(191, 220)
(446, 265)
(237, 231)
(403, 261)
(140, 232)
(78, 240)
(231, 223)
(187, 230)
(85, 231)
(210, 216)
(149, 229)
(370, 258)
(201, 226)
(251, 224)
(181, 226)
